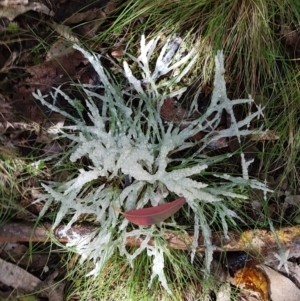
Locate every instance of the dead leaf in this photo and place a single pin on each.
(44, 76)
(12, 11)
(294, 272)
(89, 15)
(72, 12)
(254, 280)
(14, 276)
(153, 215)
(19, 253)
(13, 3)
(117, 53)
(60, 47)
(268, 135)
(52, 289)
(172, 111)
(292, 37)
(281, 287)
(52, 148)
(66, 32)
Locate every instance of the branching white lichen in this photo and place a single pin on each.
(283, 256)
(130, 139)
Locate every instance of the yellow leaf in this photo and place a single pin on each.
(253, 279)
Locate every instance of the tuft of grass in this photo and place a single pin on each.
(13, 173)
(118, 281)
(248, 31)
(280, 157)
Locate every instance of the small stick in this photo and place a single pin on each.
(259, 243)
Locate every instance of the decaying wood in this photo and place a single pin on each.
(259, 243)
(25, 232)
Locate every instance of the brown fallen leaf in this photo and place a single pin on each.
(172, 111)
(281, 287)
(18, 278)
(292, 37)
(117, 53)
(153, 215)
(44, 76)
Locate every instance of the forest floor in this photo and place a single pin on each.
(261, 262)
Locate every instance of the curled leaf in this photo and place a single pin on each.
(254, 280)
(153, 215)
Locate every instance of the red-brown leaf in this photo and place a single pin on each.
(154, 215)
